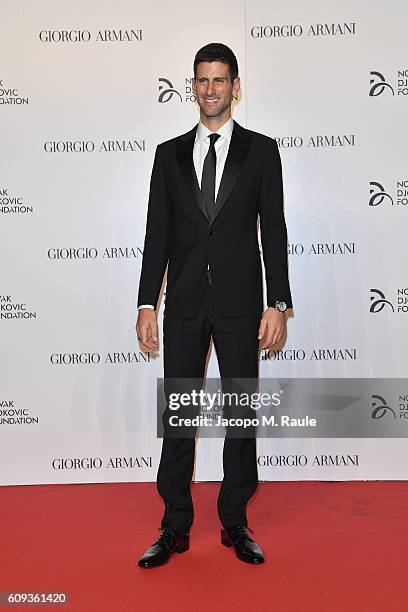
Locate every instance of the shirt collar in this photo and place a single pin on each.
(225, 130)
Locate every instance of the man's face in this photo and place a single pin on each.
(213, 88)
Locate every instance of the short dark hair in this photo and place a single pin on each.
(217, 52)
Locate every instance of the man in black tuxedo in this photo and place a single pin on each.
(207, 189)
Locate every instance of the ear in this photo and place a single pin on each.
(236, 86)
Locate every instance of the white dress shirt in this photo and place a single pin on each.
(202, 144)
(200, 150)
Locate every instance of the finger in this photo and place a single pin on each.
(143, 341)
(261, 330)
(276, 337)
(150, 340)
(267, 339)
(146, 347)
(153, 330)
(278, 334)
(145, 335)
(140, 337)
(138, 332)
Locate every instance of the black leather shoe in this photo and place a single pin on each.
(170, 541)
(245, 547)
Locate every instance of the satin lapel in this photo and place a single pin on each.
(184, 147)
(238, 149)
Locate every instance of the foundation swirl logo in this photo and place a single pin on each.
(380, 407)
(167, 91)
(378, 194)
(378, 84)
(379, 301)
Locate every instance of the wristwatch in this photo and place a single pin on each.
(280, 305)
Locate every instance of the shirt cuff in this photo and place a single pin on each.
(145, 306)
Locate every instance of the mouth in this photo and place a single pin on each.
(211, 100)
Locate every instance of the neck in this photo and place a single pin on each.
(214, 123)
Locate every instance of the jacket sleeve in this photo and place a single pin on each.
(273, 229)
(156, 244)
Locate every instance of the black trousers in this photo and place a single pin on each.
(186, 343)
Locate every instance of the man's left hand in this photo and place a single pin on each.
(271, 327)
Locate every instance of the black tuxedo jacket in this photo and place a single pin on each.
(179, 233)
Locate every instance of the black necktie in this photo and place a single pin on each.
(208, 176)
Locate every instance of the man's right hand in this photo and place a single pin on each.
(146, 329)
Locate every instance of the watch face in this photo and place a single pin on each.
(281, 306)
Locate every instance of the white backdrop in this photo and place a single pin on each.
(87, 90)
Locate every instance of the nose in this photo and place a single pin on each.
(210, 89)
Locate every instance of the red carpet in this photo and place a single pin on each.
(329, 547)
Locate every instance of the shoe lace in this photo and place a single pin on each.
(167, 536)
(239, 530)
